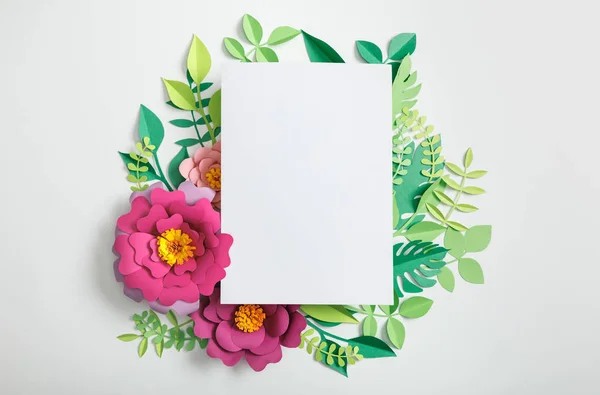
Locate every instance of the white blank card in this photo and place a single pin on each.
(306, 191)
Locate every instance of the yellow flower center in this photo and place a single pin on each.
(249, 317)
(214, 178)
(174, 247)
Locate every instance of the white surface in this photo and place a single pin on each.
(300, 196)
(516, 80)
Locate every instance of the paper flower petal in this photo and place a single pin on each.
(223, 335)
(228, 358)
(291, 338)
(248, 340)
(277, 324)
(259, 362)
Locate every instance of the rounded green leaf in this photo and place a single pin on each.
(455, 242)
(329, 313)
(234, 47)
(150, 127)
(252, 29)
(214, 108)
(396, 332)
(369, 326)
(478, 238)
(198, 61)
(470, 270)
(424, 231)
(264, 54)
(401, 45)
(446, 279)
(143, 347)
(180, 94)
(370, 52)
(282, 34)
(128, 337)
(415, 307)
(468, 158)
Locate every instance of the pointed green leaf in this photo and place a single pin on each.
(173, 171)
(320, 51)
(451, 183)
(455, 242)
(370, 52)
(476, 173)
(473, 190)
(446, 279)
(371, 347)
(282, 34)
(470, 270)
(468, 158)
(418, 261)
(151, 173)
(369, 326)
(478, 238)
(128, 337)
(143, 347)
(466, 208)
(160, 346)
(182, 123)
(188, 142)
(234, 47)
(401, 45)
(443, 198)
(252, 29)
(424, 231)
(150, 126)
(457, 226)
(214, 108)
(329, 313)
(455, 169)
(172, 318)
(415, 307)
(435, 212)
(264, 54)
(395, 331)
(198, 61)
(180, 94)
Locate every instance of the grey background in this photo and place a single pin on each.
(515, 80)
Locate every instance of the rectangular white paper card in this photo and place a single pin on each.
(306, 191)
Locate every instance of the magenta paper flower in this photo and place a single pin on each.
(204, 170)
(170, 247)
(254, 331)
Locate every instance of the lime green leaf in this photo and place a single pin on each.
(476, 173)
(182, 123)
(172, 318)
(187, 142)
(470, 270)
(252, 29)
(435, 212)
(456, 226)
(369, 326)
(466, 208)
(198, 61)
(143, 347)
(455, 242)
(451, 183)
(468, 158)
(446, 279)
(180, 94)
(455, 169)
(329, 313)
(424, 231)
(150, 126)
(128, 337)
(372, 347)
(395, 331)
(401, 45)
(370, 52)
(443, 198)
(478, 238)
(214, 108)
(282, 34)
(151, 173)
(415, 307)
(234, 47)
(473, 190)
(428, 197)
(319, 51)
(173, 171)
(264, 54)
(160, 346)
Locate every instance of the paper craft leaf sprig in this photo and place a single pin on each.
(399, 48)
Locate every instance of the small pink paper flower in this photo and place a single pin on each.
(170, 247)
(204, 170)
(256, 332)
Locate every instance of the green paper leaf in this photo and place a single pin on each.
(446, 279)
(424, 231)
(404, 90)
(180, 94)
(150, 174)
(476, 173)
(455, 242)
(443, 198)
(150, 126)
(395, 214)
(478, 238)
(369, 326)
(128, 337)
(172, 318)
(234, 47)
(203, 86)
(173, 171)
(252, 29)
(456, 226)
(319, 51)
(370, 52)
(264, 54)
(372, 347)
(395, 331)
(188, 142)
(329, 361)
(473, 190)
(435, 212)
(470, 270)
(451, 183)
(401, 45)
(214, 108)
(159, 347)
(455, 169)
(143, 347)
(182, 123)
(198, 61)
(415, 307)
(282, 34)
(419, 261)
(468, 158)
(466, 208)
(329, 313)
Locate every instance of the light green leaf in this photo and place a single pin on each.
(173, 171)
(151, 173)
(396, 332)
(415, 307)
(150, 126)
(282, 34)
(443, 198)
(198, 61)
(319, 51)
(470, 270)
(128, 337)
(473, 190)
(451, 183)
(424, 231)
(428, 197)
(457, 226)
(172, 318)
(370, 52)
(160, 346)
(455, 169)
(455, 242)
(468, 158)
(466, 208)
(446, 279)
(369, 326)
(234, 47)
(252, 29)
(401, 45)
(329, 313)
(478, 238)
(264, 54)
(214, 108)
(180, 94)
(476, 173)
(143, 347)
(435, 212)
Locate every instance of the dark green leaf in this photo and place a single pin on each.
(320, 51)
(188, 142)
(150, 126)
(182, 123)
(174, 174)
(372, 347)
(401, 45)
(370, 52)
(420, 261)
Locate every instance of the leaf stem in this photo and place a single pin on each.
(457, 199)
(196, 127)
(250, 52)
(161, 174)
(200, 109)
(323, 333)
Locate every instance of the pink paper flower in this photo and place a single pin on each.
(170, 247)
(204, 170)
(254, 331)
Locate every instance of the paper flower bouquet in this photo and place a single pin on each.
(172, 254)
